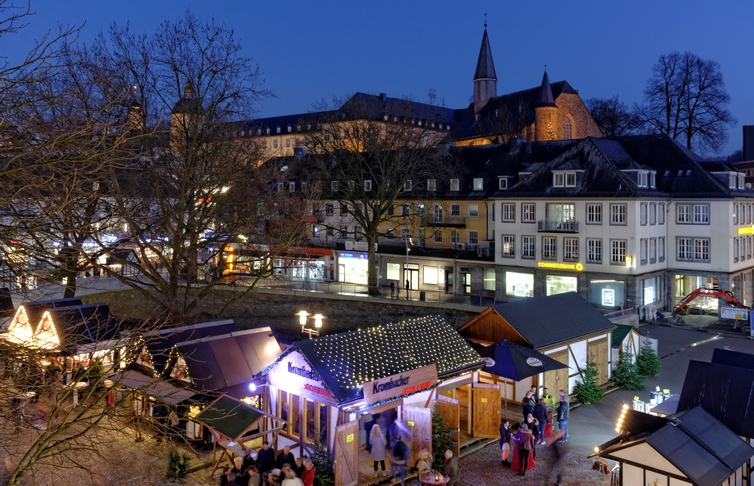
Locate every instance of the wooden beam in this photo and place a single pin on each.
(573, 355)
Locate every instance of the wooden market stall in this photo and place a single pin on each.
(321, 387)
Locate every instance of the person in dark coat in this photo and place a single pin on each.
(505, 441)
(540, 413)
(265, 458)
(450, 468)
(239, 472)
(528, 404)
(285, 457)
(563, 419)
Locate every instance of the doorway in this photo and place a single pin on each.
(411, 273)
(466, 283)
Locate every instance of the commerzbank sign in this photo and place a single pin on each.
(576, 267)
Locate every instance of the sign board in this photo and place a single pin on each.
(400, 385)
(293, 374)
(561, 266)
(734, 313)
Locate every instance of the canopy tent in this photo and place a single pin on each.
(232, 418)
(159, 389)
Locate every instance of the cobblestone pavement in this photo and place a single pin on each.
(555, 466)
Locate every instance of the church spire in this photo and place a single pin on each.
(545, 92)
(485, 78)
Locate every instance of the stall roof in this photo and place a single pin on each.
(545, 321)
(159, 389)
(6, 303)
(223, 363)
(729, 357)
(34, 310)
(346, 361)
(723, 391)
(230, 417)
(83, 324)
(619, 334)
(694, 442)
(160, 343)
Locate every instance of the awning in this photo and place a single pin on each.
(159, 389)
(230, 417)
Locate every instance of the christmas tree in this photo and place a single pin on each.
(442, 438)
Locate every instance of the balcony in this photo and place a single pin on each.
(452, 222)
(558, 226)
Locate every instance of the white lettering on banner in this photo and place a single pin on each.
(293, 374)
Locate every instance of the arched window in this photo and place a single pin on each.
(567, 129)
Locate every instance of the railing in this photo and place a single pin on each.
(618, 315)
(558, 226)
(452, 222)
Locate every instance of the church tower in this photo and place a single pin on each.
(485, 78)
(545, 113)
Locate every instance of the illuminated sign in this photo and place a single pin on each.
(400, 385)
(608, 297)
(746, 231)
(349, 438)
(561, 266)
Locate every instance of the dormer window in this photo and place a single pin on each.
(407, 185)
(502, 183)
(278, 129)
(652, 180)
(334, 186)
(367, 185)
(570, 179)
(292, 186)
(298, 128)
(558, 179)
(385, 117)
(478, 184)
(351, 185)
(641, 179)
(455, 184)
(259, 131)
(290, 129)
(267, 131)
(741, 180)
(732, 181)
(431, 184)
(419, 123)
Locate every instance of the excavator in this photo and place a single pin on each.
(727, 295)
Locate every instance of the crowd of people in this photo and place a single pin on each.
(538, 412)
(269, 469)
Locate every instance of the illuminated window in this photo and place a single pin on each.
(567, 129)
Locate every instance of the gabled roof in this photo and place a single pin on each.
(84, 324)
(346, 361)
(546, 321)
(694, 442)
(485, 65)
(231, 417)
(34, 310)
(619, 333)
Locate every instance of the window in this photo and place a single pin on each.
(351, 185)
(334, 186)
(437, 237)
(430, 275)
(561, 217)
(528, 249)
(391, 210)
(735, 249)
(344, 232)
(567, 135)
(405, 210)
(292, 186)
(455, 184)
(701, 214)
(431, 184)
(357, 232)
(549, 248)
(558, 179)
(330, 231)
(643, 244)
(641, 179)
(527, 213)
(473, 210)
(367, 185)
(502, 183)
(343, 209)
(661, 249)
(653, 213)
(509, 212)
(570, 249)
(652, 180)
(643, 214)
(407, 185)
(455, 236)
(473, 237)
(509, 246)
(455, 210)
(488, 280)
(438, 213)
(287, 142)
(594, 250)
(274, 144)
(617, 214)
(692, 249)
(420, 210)
(393, 271)
(732, 181)
(405, 234)
(478, 184)
(315, 232)
(594, 214)
(652, 250)
(617, 252)
(280, 186)
(661, 213)
(570, 179)
(692, 213)
(329, 209)
(519, 284)
(735, 213)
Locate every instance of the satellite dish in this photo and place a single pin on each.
(489, 362)
(533, 362)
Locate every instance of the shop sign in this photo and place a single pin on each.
(746, 231)
(294, 375)
(608, 297)
(734, 313)
(355, 256)
(400, 385)
(561, 266)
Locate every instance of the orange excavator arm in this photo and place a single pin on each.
(727, 295)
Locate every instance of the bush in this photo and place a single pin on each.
(626, 375)
(588, 390)
(177, 467)
(647, 363)
(441, 438)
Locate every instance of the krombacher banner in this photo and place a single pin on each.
(400, 385)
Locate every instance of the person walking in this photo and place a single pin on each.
(505, 441)
(392, 290)
(401, 453)
(525, 440)
(378, 449)
(450, 468)
(408, 287)
(563, 410)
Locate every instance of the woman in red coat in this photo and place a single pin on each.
(307, 475)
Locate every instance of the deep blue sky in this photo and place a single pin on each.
(314, 49)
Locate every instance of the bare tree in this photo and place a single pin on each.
(613, 117)
(504, 124)
(686, 98)
(369, 155)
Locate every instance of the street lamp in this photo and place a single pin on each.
(302, 319)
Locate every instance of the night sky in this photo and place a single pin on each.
(315, 49)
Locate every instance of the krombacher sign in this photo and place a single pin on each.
(578, 267)
(400, 385)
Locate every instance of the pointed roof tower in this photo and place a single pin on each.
(545, 97)
(485, 78)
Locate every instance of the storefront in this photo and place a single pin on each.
(607, 293)
(322, 387)
(353, 267)
(560, 284)
(519, 284)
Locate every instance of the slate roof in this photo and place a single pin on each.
(84, 324)
(545, 321)
(694, 442)
(485, 65)
(347, 360)
(728, 357)
(34, 310)
(545, 93)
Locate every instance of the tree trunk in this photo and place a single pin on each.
(372, 271)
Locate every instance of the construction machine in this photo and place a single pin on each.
(726, 295)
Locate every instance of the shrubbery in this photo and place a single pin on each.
(626, 375)
(588, 390)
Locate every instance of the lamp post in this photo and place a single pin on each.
(303, 318)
